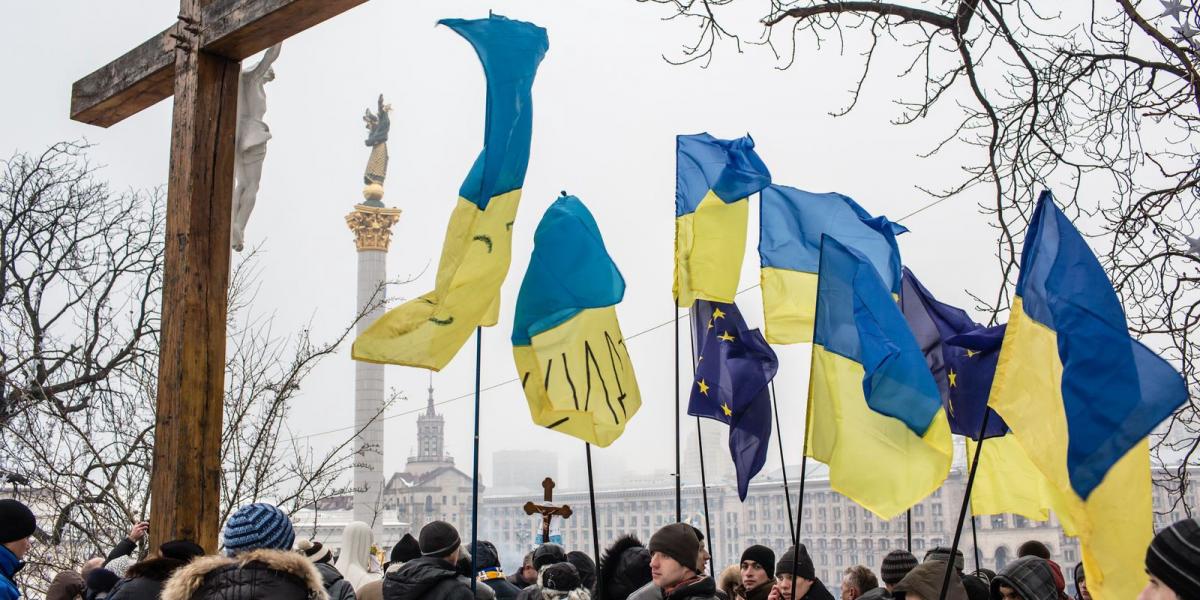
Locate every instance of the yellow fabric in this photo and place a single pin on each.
(1115, 524)
(873, 459)
(1007, 481)
(710, 244)
(428, 331)
(789, 305)
(578, 378)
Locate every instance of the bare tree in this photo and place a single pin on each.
(1098, 97)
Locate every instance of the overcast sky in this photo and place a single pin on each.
(607, 108)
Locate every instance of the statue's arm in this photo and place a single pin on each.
(261, 68)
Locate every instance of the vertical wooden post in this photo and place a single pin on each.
(186, 479)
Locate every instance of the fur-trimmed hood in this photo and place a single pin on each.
(624, 567)
(254, 571)
(158, 569)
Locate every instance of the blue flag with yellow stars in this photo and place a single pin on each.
(734, 364)
(962, 370)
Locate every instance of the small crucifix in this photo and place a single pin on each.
(547, 508)
(198, 60)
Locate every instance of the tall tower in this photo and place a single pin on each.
(431, 441)
(372, 224)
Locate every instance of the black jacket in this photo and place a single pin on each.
(335, 585)
(517, 581)
(702, 589)
(426, 578)
(818, 592)
(624, 567)
(504, 590)
(144, 580)
(124, 547)
(253, 575)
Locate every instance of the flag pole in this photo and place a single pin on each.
(975, 542)
(592, 500)
(787, 494)
(678, 468)
(962, 514)
(475, 465)
(908, 528)
(703, 478)
(803, 479)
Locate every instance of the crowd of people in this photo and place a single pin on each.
(262, 560)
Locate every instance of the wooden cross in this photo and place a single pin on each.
(198, 60)
(547, 508)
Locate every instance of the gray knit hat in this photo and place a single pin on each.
(679, 542)
(1174, 558)
(796, 564)
(896, 565)
(438, 538)
(942, 553)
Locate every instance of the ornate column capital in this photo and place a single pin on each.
(372, 226)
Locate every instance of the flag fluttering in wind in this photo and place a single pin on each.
(789, 250)
(874, 414)
(428, 331)
(734, 366)
(1081, 396)
(567, 344)
(713, 179)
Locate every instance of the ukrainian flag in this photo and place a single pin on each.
(874, 415)
(1081, 396)
(713, 179)
(428, 331)
(789, 251)
(570, 354)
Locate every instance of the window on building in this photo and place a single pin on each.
(1001, 558)
(998, 523)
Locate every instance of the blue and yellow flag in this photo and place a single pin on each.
(428, 331)
(789, 251)
(570, 354)
(1081, 396)
(874, 413)
(713, 179)
(734, 365)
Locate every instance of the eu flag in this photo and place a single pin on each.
(734, 364)
(963, 370)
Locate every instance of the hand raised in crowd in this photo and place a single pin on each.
(139, 531)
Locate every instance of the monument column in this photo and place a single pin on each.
(372, 224)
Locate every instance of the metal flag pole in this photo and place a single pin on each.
(787, 494)
(703, 477)
(975, 542)
(803, 479)
(475, 466)
(908, 528)
(678, 467)
(962, 513)
(592, 501)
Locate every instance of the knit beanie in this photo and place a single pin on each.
(438, 539)
(561, 577)
(181, 550)
(1174, 558)
(679, 542)
(120, 564)
(584, 566)
(548, 554)
(764, 556)
(16, 521)
(896, 565)
(942, 553)
(803, 564)
(102, 580)
(255, 526)
(405, 550)
(486, 556)
(1034, 548)
(315, 552)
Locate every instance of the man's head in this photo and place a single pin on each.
(17, 525)
(705, 557)
(1027, 578)
(1172, 561)
(315, 552)
(439, 539)
(795, 568)
(856, 581)
(942, 554)
(585, 566)
(257, 526)
(548, 554)
(895, 566)
(1034, 548)
(405, 550)
(528, 572)
(673, 553)
(757, 566)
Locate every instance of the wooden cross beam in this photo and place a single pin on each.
(198, 60)
(547, 508)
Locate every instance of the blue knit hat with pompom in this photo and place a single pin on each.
(257, 526)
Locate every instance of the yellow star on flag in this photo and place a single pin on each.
(728, 411)
(971, 353)
(725, 337)
(710, 324)
(953, 378)
(717, 314)
(703, 387)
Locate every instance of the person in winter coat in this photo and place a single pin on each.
(586, 568)
(67, 585)
(127, 546)
(17, 525)
(99, 583)
(259, 563)
(729, 580)
(433, 576)
(653, 592)
(1027, 578)
(859, 583)
(1081, 591)
(675, 569)
(796, 568)
(526, 575)
(487, 561)
(464, 568)
(319, 555)
(1172, 562)
(925, 582)
(144, 580)
(624, 567)
(562, 582)
(894, 567)
(974, 586)
(543, 556)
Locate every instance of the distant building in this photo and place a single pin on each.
(522, 470)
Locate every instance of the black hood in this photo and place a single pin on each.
(417, 577)
(624, 567)
(329, 573)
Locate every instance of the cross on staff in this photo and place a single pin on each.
(198, 60)
(547, 508)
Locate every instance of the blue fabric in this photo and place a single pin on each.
(793, 222)
(858, 319)
(736, 373)
(510, 52)
(933, 324)
(730, 168)
(1114, 390)
(257, 525)
(9, 565)
(569, 271)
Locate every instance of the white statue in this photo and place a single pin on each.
(354, 561)
(251, 148)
